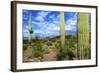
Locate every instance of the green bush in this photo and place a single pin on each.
(25, 46)
(38, 51)
(63, 53)
(67, 52)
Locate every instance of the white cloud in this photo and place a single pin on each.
(52, 16)
(56, 22)
(38, 31)
(38, 23)
(48, 29)
(68, 28)
(41, 16)
(53, 27)
(25, 17)
(41, 25)
(25, 32)
(43, 13)
(55, 18)
(71, 22)
(26, 27)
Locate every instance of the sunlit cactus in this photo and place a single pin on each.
(30, 28)
(62, 29)
(83, 35)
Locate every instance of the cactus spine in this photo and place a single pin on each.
(83, 35)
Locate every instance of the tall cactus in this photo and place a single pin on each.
(83, 35)
(62, 29)
(30, 28)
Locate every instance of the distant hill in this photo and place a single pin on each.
(70, 32)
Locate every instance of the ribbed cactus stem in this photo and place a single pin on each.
(83, 35)
(62, 29)
(30, 28)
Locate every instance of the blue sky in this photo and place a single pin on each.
(46, 23)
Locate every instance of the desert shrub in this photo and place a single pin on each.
(53, 40)
(66, 53)
(25, 42)
(63, 54)
(25, 46)
(44, 46)
(38, 51)
(49, 43)
(58, 46)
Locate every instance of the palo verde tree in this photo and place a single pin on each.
(83, 35)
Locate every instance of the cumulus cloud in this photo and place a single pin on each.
(71, 22)
(55, 18)
(25, 32)
(41, 15)
(53, 27)
(38, 31)
(25, 17)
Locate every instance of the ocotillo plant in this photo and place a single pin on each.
(62, 29)
(83, 35)
(30, 28)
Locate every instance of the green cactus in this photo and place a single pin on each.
(83, 35)
(30, 28)
(62, 29)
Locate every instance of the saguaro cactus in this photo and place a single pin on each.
(30, 28)
(62, 29)
(83, 35)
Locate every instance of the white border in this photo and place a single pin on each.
(21, 65)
